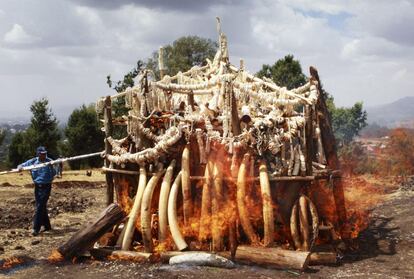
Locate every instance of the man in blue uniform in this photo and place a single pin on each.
(42, 179)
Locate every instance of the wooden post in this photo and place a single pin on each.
(235, 122)
(88, 235)
(309, 139)
(323, 258)
(330, 150)
(108, 149)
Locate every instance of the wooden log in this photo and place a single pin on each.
(136, 208)
(89, 234)
(108, 149)
(323, 258)
(235, 121)
(309, 147)
(146, 211)
(267, 204)
(330, 150)
(129, 172)
(163, 203)
(172, 215)
(186, 184)
(241, 206)
(233, 243)
(234, 169)
(272, 257)
(105, 253)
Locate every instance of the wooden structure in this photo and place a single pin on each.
(215, 157)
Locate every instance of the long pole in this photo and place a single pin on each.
(54, 162)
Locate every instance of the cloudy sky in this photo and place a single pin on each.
(63, 49)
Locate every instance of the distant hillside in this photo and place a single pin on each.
(396, 114)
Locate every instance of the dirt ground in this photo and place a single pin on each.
(386, 247)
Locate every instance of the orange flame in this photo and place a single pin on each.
(11, 262)
(55, 257)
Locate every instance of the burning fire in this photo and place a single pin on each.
(55, 257)
(10, 263)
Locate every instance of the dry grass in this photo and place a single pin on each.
(20, 179)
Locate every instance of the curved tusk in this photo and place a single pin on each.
(146, 211)
(186, 183)
(294, 226)
(267, 204)
(304, 222)
(216, 206)
(205, 216)
(129, 232)
(315, 221)
(241, 194)
(172, 215)
(163, 203)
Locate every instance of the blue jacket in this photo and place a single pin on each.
(43, 175)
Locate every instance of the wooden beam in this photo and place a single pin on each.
(88, 235)
(110, 170)
(108, 149)
(330, 150)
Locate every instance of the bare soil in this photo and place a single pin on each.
(386, 247)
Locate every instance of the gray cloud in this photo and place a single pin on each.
(177, 5)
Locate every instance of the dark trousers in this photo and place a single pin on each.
(41, 218)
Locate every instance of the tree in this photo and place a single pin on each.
(2, 136)
(181, 55)
(43, 130)
(19, 149)
(347, 122)
(285, 72)
(84, 136)
(184, 53)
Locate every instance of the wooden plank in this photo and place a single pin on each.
(91, 232)
(330, 150)
(108, 149)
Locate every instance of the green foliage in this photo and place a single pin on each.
(285, 72)
(183, 54)
(347, 122)
(2, 136)
(118, 105)
(19, 150)
(43, 130)
(83, 136)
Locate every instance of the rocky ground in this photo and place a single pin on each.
(386, 247)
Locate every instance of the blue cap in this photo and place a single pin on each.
(41, 150)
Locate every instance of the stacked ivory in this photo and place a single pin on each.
(201, 146)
